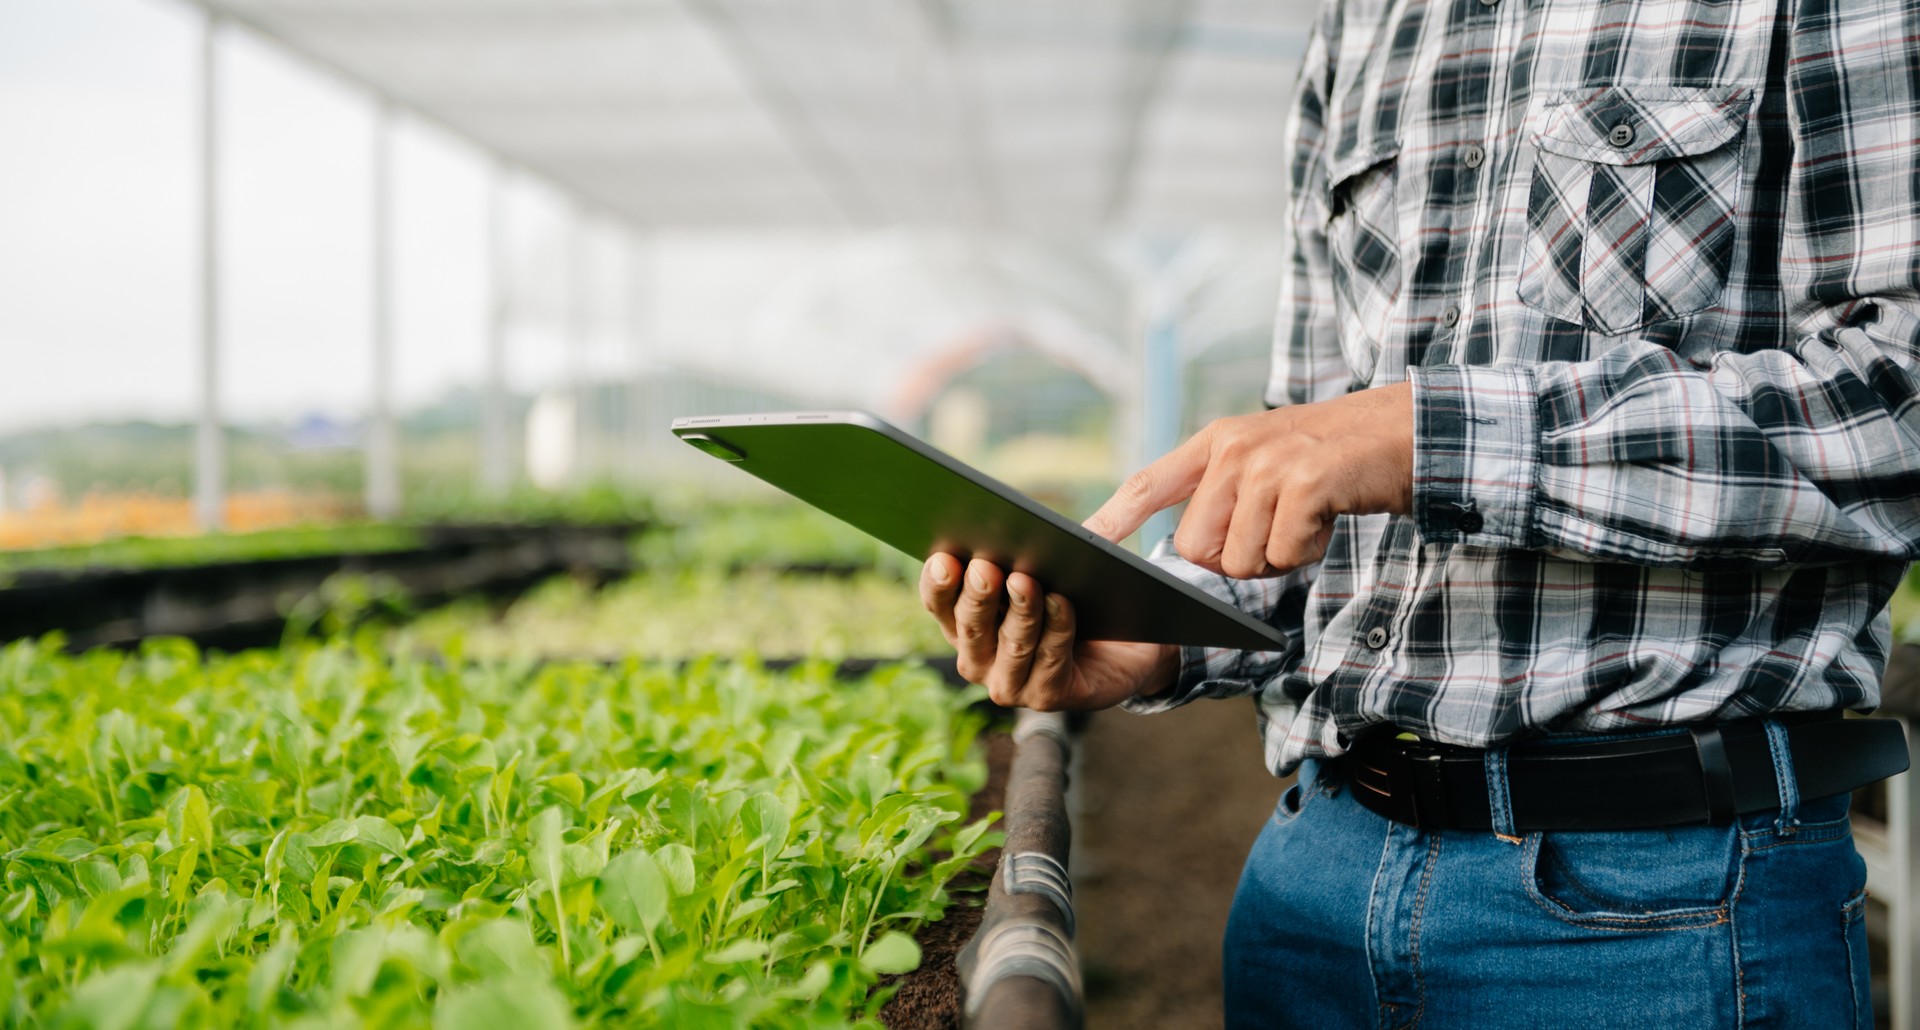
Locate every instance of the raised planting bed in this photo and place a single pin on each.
(781, 537)
(681, 614)
(320, 834)
(245, 602)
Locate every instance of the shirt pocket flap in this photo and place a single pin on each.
(1626, 126)
(1344, 171)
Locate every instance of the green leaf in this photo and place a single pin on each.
(188, 818)
(676, 862)
(766, 815)
(236, 797)
(508, 1003)
(375, 832)
(338, 831)
(214, 916)
(18, 906)
(568, 787)
(501, 948)
(270, 974)
(633, 890)
(96, 876)
(182, 882)
(747, 908)
(113, 999)
(819, 977)
(547, 864)
(893, 952)
(739, 951)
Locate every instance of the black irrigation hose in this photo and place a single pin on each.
(1020, 969)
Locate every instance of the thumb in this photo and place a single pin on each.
(1157, 487)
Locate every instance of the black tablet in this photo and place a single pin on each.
(861, 470)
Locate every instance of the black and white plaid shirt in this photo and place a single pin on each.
(1653, 267)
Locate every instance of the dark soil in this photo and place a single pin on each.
(929, 997)
(1170, 805)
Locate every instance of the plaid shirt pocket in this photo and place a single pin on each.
(1363, 237)
(1630, 218)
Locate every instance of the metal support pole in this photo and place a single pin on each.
(639, 308)
(496, 463)
(1902, 893)
(578, 329)
(383, 471)
(209, 452)
(1161, 393)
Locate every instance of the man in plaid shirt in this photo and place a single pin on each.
(1594, 426)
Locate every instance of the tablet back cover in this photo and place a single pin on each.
(878, 479)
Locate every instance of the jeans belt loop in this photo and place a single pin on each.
(1716, 774)
(1499, 798)
(1781, 751)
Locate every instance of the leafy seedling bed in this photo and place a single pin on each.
(677, 614)
(931, 997)
(322, 834)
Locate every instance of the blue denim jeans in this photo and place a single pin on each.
(1346, 919)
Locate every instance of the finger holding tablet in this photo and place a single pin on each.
(1019, 641)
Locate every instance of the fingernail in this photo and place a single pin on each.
(978, 579)
(939, 572)
(1053, 607)
(1019, 599)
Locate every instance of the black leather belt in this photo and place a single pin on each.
(1708, 773)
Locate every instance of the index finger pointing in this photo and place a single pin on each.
(1159, 486)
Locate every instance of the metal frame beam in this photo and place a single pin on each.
(382, 486)
(209, 454)
(948, 66)
(810, 145)
(496, 463)
(640, 339)
(265, 29)
(1151, 68)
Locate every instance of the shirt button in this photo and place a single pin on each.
(1621, 136)
(1470, 522)
(1377, 637)
(1475, 156)
(1451, 316)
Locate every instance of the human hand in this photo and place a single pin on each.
(1018, 640)
(1265, 488)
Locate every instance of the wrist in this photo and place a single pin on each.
(1163, 674)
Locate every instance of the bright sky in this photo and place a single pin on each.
(100, 209)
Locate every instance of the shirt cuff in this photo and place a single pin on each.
(1475, 451)
(1193, 672)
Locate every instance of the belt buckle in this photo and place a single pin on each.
(1421, 772)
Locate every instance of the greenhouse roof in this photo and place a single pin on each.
(1058, 117)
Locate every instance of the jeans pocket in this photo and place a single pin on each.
(1309, 783)
(1853, 925)
(1625, 880)
(1291, 801)
(1631, 210)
